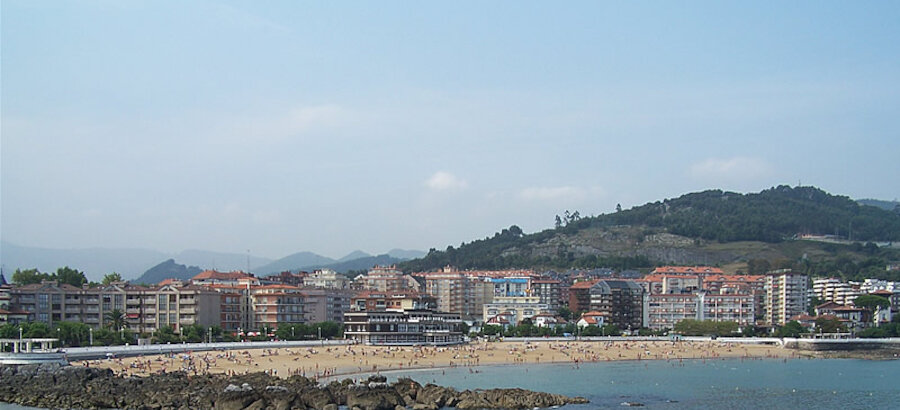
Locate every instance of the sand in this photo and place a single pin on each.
(329, 361)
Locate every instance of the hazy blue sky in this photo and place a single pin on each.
(333, 126)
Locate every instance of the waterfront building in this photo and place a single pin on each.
(786, 296)
(456, 292)
(835, 290)
(277, 304)
(591, 319)
(212, 277)
(407, 328)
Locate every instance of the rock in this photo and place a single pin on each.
(330, 406)
(279, 389)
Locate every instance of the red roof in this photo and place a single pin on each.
(211, 274)
(586, 284)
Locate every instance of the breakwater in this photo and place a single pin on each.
(54, 386)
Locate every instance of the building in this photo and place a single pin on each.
(385, 279)
(326, 304)
(146, 309)
(326, 279)
(786, 296)
(456, 292)
(548, 291)
(277, 304)
(375, 301)
(621, 302)
(591, 319)
(406, 328)
(687, 271)
(835, 290)
(659, 284)
(519, 307)
(511, 286)
(580, 296)
(212, 277)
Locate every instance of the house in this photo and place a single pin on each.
(548, 320)
(503, 319)
(592, 318)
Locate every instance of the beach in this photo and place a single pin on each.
(346, 360)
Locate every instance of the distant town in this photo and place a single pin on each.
(387, 306)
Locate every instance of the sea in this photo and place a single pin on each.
(689, 384)
(695, 384)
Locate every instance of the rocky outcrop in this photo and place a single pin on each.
(53, 386)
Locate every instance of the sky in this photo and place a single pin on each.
(331, 126)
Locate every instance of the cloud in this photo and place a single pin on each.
(445, 181)
(736, 169)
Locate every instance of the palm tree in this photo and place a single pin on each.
(115, 319)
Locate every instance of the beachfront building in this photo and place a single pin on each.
(277, 304)
(591, 319)
(620, 301)
(406, 328)
(213, 277)
(519, 307)
(511, 286)
(786, 296)
(146, 309)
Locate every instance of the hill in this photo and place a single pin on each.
(747, 232)
(221, 261)
(293, 262)
(357, 254)
(886, 205)
(167, 270)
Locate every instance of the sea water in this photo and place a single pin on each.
(695, 384)
(689, 384)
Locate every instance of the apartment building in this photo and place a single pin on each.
(620, 301)
(786, 296)
(385, 279)
(549, 291)
(276, 304)
(326, 279)
(146, 308)
(459, 293)
(326, 304)
(518, 308)
(837, 291)
(375, 301)
(580, 295)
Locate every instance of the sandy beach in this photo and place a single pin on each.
(328, 361)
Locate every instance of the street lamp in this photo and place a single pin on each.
(122, 332)
(58, 330)
(210, 334)
(292, 331)
(91, 331)
(320, 332)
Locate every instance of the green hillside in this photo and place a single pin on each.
(749, 232)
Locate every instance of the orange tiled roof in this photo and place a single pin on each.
(211, 274)
(585, 284)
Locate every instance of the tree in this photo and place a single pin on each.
(115, 319)
(112, 277)
(871, 303)
(791, 329)
(28, 276)
(565, 313)
(618, 207)
(558, 223)
(70, 276)
(830, 325)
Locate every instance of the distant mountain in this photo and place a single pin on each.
(357, 254)
(220, 261)
(293, 262)
(405, 254)
(886, 205)
(167, 270)
(358, 264)
(94, 262)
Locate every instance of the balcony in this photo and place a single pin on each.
(91, 320)
(73, 309)
(186, 321)
(150, 310)
(133, 310)
(187, 311)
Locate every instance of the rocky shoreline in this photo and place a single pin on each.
(54, 386)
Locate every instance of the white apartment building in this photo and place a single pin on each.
(834, 290)
(786, 296)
